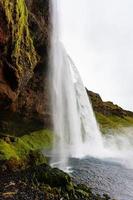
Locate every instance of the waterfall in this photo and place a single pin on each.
(74, 122)
(91, 135)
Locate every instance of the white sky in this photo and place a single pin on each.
(98, 35)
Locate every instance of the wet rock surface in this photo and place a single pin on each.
(43, 183)
(24, 43)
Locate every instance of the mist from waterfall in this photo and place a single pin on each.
(76, 132)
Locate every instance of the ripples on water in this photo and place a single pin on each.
(104, 176)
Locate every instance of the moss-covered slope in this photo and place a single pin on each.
(19, 148)
(109, 115)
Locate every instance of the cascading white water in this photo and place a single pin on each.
(65, 114)
(75, 126)
(89, 127)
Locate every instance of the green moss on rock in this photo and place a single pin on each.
(23, 56)
(59, 185)
(26, 144)
(7, 151)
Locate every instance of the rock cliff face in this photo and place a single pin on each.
(109, 115)
(107, 108)
(24, 42)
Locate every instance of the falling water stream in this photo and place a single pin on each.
(77, 134)
(74, 122)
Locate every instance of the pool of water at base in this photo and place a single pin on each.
(104, 176)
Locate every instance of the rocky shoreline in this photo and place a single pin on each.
(42, 183)
(25, 173)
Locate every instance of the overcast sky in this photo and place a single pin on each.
(98, 35)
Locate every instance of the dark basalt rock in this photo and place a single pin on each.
(43, 182)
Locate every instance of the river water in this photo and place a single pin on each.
(104, 176)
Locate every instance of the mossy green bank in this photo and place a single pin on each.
(22, 146)
(113, 122)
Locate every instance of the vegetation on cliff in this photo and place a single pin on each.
(109, 115)
(107, 123)
(22, 58)
(24, 42)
